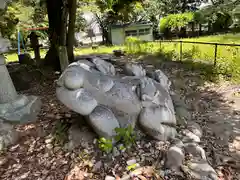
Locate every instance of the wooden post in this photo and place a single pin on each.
(215, 55)
(62, 49)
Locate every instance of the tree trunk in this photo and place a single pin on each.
(104, 30)
(72, 4)
(62, 49)
(54, 9)
(193, 29)
(209, 27)
(184, 6)
(200, 29)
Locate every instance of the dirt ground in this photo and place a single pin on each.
(215, 106)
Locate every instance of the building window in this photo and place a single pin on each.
(144, 31)
(131, 33)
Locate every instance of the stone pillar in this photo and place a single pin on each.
(7, 89)
(13, 107)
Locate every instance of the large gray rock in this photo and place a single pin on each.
(134, 70)
(103, 122)
(80, 100)
(195, 128)
(103, 66)
(188, 136)
(86, 63)
(160, 77)
(192, 133)
(125, 118)
(123, 98)
(8, 135)
(147, 89)
(195, 150)
(159, 114)
(14, 107)
(73, 81)
(22, 109)
(158, 122)
(164, 97)
(200, 169)
(111, 101)
(101, 84)
(175, 158)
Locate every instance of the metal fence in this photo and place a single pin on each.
(215, 45)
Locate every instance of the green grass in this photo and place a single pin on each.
(222, 38)
(13, 56)
(228, 58)
(99, 50)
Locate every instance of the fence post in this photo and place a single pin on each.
(215, 55)
(180, 50)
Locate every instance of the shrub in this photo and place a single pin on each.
(126, 135)
(105, 145)
(132, 44)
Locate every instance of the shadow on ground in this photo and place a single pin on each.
(214, 103)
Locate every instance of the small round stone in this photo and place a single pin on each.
(73, 80)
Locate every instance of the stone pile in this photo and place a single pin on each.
(185, 154)
(92, 89)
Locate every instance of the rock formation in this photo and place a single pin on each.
(91, 88)
(109, 101)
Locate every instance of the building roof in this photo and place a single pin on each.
(131, 24)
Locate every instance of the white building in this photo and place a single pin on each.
(92, 24)
(143, 31)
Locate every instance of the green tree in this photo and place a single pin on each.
(219, 14)
(175, 22)
(199, 19)
(22, 15)
(236, 18)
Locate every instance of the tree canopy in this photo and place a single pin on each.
(23, 14)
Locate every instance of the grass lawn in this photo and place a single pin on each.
(13, 56)
(198, 51)
(222, 38)
(228, 58)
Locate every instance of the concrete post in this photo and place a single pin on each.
(13, 107)
(7, 90)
